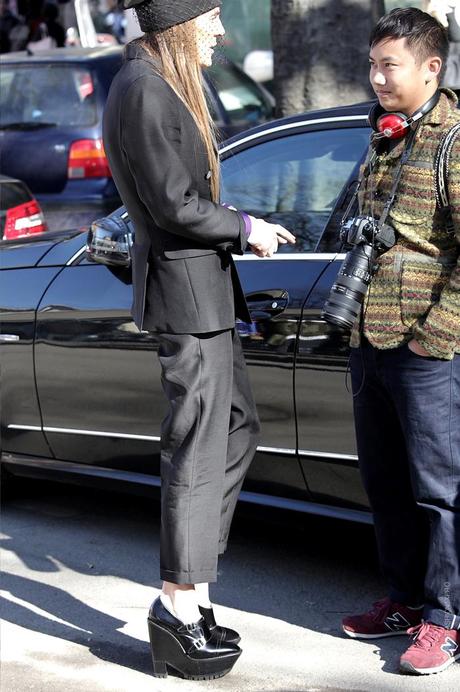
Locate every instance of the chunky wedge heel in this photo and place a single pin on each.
(160, 669)
(192, 651)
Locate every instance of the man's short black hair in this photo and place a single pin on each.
(424, 35)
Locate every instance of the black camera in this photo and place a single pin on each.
(368, 240)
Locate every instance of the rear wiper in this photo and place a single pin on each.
(34, 125)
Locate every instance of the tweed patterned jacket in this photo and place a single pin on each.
(415, 292)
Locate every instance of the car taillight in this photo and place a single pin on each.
(87, 159)
(25, 219)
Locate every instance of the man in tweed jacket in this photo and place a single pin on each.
(406, 358)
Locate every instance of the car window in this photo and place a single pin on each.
(294, 180)
(241, 97)
(57, 94)
(13, 193)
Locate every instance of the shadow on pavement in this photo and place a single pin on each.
(81, 624)
(291, 568)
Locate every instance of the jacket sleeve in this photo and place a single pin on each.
(150, 132)
(439, 334)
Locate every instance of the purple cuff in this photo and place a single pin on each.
(247, 223)
(246, 218)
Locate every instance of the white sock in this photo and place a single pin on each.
(185, 607)
(202, 594)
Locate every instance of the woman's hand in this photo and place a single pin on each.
(265, 237)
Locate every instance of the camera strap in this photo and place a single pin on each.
(367, 169)
(367, 172)
(442, 160)
(397, 175)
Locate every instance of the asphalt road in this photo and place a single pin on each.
(80, 568)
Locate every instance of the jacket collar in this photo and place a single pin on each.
(446, 104)
(134, 51)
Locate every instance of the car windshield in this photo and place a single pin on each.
(44, 95)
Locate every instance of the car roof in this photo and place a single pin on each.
(349, 111)
(62, 55)
(361, 108)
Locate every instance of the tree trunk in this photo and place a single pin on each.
(321, 52)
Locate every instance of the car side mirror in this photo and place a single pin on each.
(110, 240)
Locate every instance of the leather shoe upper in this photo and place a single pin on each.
(197, 640)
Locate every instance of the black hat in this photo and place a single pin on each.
(159, 15)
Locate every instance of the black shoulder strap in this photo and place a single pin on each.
(442, 160)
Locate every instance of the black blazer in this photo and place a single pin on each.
(184, 278)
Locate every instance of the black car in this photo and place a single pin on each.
(51, 106)
(81, 393)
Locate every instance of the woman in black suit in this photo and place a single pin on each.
(160, 143)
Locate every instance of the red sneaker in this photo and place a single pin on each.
(434, 648)
(385, 619)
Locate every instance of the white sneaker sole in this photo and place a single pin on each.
(358, 635)
(406, 667)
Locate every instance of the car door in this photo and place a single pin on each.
(293, 175)
(21, 285)
(99, 382)
(97, 376)
(326, 438)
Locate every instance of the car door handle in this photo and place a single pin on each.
(270, 302)
(8, 338)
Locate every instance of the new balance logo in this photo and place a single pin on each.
(396, 622)
(449, 647)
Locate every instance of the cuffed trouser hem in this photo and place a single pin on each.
(441, 618)
(197, 577)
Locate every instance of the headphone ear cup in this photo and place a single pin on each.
(376, 112)
(393, 125)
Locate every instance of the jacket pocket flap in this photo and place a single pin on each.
(185, 253)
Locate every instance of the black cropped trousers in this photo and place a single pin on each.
(208, 440)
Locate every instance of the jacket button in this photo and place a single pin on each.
(208, 175)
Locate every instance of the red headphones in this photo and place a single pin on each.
(395, 125)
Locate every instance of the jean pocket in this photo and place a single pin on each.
(417, 356)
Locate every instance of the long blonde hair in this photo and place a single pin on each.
(178, 52)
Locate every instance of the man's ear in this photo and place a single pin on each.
(433, 68)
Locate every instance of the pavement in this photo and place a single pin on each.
(80, 568)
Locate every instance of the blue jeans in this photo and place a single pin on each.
(407, 419)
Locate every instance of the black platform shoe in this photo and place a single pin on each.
(193, 650)
(228, 635)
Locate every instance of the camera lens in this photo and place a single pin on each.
(348, 292)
